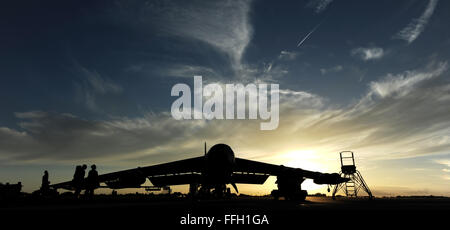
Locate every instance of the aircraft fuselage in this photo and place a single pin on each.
(219, 163)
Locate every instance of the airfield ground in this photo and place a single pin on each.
(166, 210)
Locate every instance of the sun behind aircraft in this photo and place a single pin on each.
(213, 171)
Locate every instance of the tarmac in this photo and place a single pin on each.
(246, 211)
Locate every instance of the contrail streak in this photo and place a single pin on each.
(310, 32)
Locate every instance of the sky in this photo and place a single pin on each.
(90, 82)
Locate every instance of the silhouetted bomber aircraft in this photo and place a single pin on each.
(213, 171)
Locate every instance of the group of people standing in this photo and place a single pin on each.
(90, 183)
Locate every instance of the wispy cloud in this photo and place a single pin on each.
(91, 86)
(190, 71)
(287, 55)
(445, 162)
(367, 54)
(221, 24)
(402, 84)
(99, 84)
(319, 5)
(376, 127)
(333, 69)
(412, 31)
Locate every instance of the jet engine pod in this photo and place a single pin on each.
(330, 178)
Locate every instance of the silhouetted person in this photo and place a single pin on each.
(45, 186)
(78, 178)
(92, 181)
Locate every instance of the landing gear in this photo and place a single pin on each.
(298, 196)
(276, 194)
(193, 190)
(209, 191)
(228, 192)
(289, 187)
(219, 190)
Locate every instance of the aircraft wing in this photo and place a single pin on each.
(189, 171)
(256, 167)
(64, 185)
(254, 171)
(173, 173)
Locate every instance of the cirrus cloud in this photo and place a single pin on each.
(367, 54)
(401, 115)
(412, 31)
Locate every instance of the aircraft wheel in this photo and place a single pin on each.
(300, 196)
(276, 194)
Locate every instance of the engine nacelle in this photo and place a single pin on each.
(330, 178)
